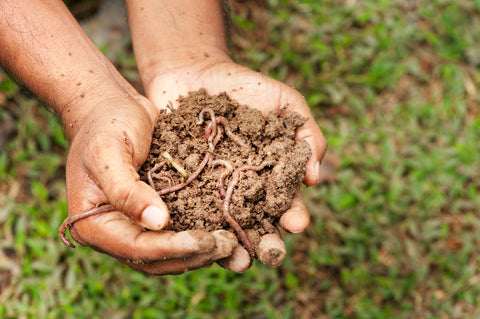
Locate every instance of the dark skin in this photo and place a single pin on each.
(110, 124)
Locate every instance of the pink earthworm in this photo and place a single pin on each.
(153, 170)
(226, 203)
(221, 177)
(211, 127)
(228, 130)
(70, 220)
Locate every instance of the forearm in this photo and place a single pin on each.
(45, 48)
(169, 34)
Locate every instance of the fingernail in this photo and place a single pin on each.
(155, 218)
(271, 251)
(317, 169)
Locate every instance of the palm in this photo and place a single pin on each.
(256, 90)
(244, 85)
(247, 87)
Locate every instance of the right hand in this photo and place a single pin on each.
(108, 148)
(218, 73)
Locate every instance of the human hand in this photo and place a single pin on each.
(109, 146)
(218, 74)
(110, 127)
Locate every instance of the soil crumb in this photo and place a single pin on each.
(260, 197)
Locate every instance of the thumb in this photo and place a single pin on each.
(311, 133)
(113, 168)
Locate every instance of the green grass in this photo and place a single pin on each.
(394, 87)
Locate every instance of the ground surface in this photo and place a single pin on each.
(395, 87)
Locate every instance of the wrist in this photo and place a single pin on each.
(172, 35)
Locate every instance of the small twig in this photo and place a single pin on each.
(226, 203)
(194, 175)
(170, 106)
(186, 128)
(205, 150)
(170, 161)
(70, 220)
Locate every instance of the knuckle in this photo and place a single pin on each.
(123, 197)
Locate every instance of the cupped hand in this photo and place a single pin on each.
(109, 147)
(246, 86)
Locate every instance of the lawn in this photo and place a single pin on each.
(395, 87)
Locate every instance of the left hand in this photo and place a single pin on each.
(109, 146)
(220, 74)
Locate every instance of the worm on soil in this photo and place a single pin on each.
(153, 170)
(221, 177)
(213, 133)
(226, 203)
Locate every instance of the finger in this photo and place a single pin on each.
(113, 168)
(225, 244)
(114, 234)
(311, 133)
(167, 267)
(238, 262)
(296, 219)
(271, 250)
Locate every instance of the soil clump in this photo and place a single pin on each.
(259, 197)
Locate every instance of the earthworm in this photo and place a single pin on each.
(205, 150)
(164, 178)
(226, 203)
(70, 220)
(236, 139)
(214, 138)
(218, 136)
(211, 127)
(200, 116)
(221, 177)
(208, 133)
(153, 170)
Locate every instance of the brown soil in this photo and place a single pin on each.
(260, 197)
